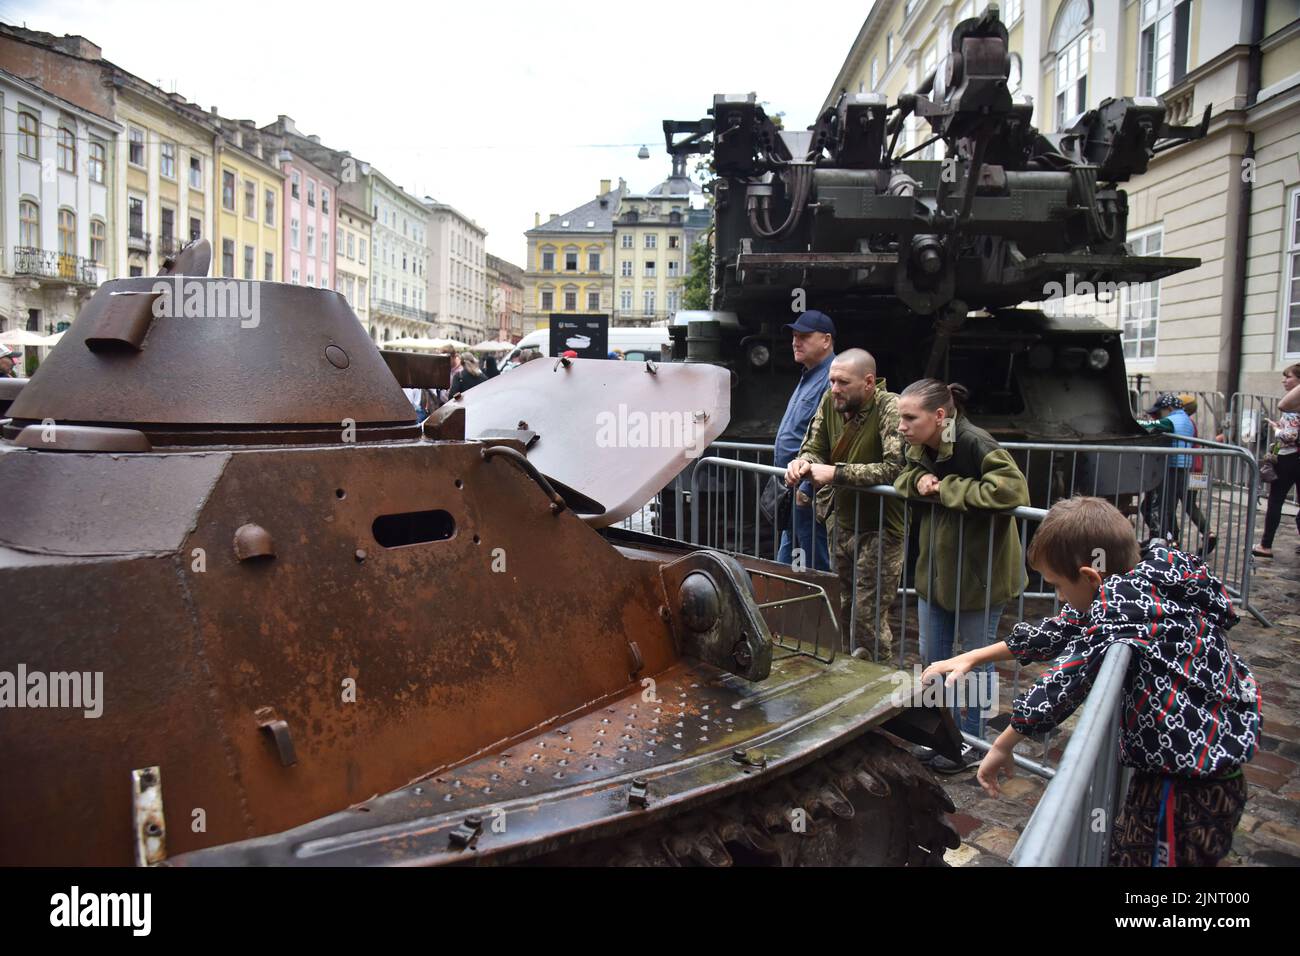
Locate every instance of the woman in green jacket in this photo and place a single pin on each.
(970, 477)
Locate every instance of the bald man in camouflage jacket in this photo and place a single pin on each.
(852, 443)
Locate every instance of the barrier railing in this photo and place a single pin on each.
(1065, 829)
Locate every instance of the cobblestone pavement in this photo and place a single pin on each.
(1269, 833)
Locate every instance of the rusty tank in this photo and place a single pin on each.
(257, 614)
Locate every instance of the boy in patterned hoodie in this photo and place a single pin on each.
(1191, 710)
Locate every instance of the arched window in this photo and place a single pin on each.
(98, 241)
(29, 224)
(97, 162)
(29, 135)
(1070, 43)
(67, 149)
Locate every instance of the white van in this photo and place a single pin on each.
(637, 345)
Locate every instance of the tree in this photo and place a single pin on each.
(696, 287)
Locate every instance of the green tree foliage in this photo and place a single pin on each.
(696, 287)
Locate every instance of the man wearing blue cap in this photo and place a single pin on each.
(813, 340)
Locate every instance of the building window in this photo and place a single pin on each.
(627, 240)
(324, 201)
(196, 173)
(1013, 8)
(626, 268)
(250, 199)
(673, 266)
(311, 239)
(67, 150)
(67, 232)
(196, 228)
(250, 256)
(593, 262)
(295, 279)
(29, 135)
(324, 243)
(228, 258)
(649, 302)
(672, 301)
(674, 242)
(311, 193)
(98, 242)
(135, 153)
(167, 224)
(650, 269)
(650, 240)
(1140, 302)
(1070, 41)
(570, 301)
(1291, 314)
(570, 262)
(1162, 51)
(361, 250)
(350, 247)
(270, 207)
(167, 160)
(294, 181)
(228, 190)
(889, 48)
(875, 73)
(625, 300)
(593, 301)
(548, 301)
(135, 216)
(268, 265)
(97, 154)
(293, 233)
(548, 261)
(311, 279)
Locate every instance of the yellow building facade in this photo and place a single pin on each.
(165, 165)
(650, 258)
(1231, 199)
(570, 265)
(248, 190)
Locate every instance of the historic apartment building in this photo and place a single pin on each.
(505, 283)
(352, 261)
(310, 212)
(571, 260)
(56, 211)
(1231, 199)
(457, 280)
(248, 238)
(652, 251)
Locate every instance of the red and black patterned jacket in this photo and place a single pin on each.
(1191, 707)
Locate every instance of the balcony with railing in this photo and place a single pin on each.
(401, 311)
(44, 264)
(138, 241)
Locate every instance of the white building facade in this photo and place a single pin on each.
(458, 273)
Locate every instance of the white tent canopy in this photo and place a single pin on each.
(493, 346)
(16, 338)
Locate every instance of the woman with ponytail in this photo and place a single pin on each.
(970, 477)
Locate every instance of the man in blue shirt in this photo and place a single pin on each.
(813, 339)
(1160, 509)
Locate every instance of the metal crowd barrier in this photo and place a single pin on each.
(1072, 824)
(1247, 425)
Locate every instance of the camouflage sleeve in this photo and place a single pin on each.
(816, 443)
(890, 466)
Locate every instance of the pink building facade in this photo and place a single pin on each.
(310, 220)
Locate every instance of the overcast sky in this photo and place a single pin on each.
(502, 108)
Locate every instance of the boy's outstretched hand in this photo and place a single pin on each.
(954, 667)
(995, 763)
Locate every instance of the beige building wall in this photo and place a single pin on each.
(352, 263)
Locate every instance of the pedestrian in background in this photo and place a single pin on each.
(467, 376)
(969, 556)
(1160, 507)
(1286, 436)
(812, 338)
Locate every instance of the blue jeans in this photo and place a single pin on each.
(938, 629)
(810, 536)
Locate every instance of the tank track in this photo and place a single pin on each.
(869, 803)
